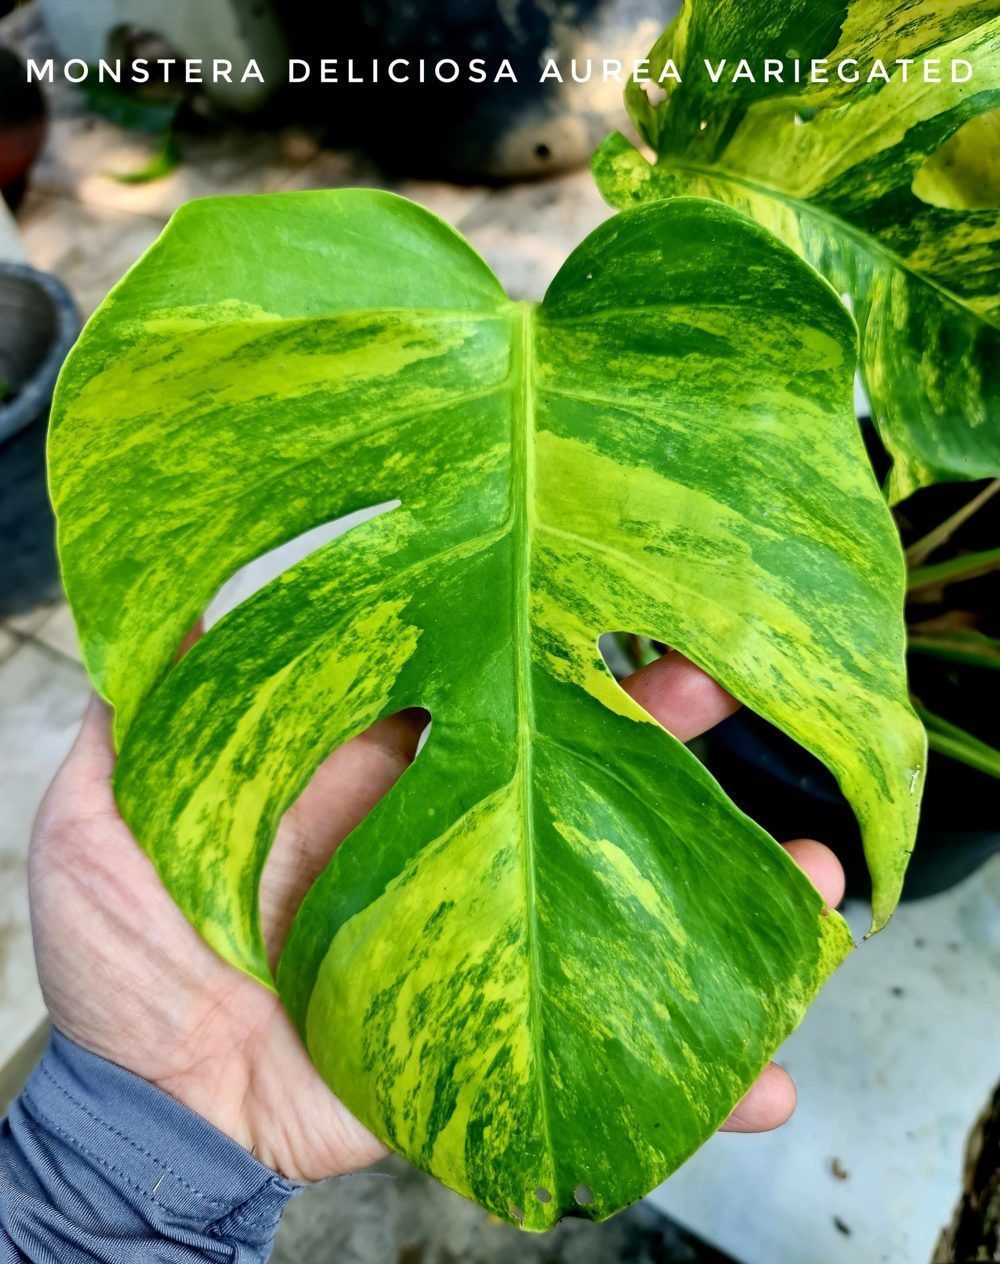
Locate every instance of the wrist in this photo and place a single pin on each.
(272, 1112)
(149, 1169)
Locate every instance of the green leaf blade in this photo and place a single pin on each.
(729, 480)
(557, 1063)
(249, 368)
(555, 932)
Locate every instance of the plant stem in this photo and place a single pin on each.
(949, 739)
(959, 646)
(925, 546)
(967, 566)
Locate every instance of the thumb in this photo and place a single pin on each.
(92, 756)
(344, 789)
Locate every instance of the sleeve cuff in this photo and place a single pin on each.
(163, 1163)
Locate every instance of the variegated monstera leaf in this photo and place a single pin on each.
(889, 186)
(555, 955)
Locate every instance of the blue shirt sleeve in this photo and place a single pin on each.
(98, 1165)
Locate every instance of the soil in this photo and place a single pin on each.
(974, 1234)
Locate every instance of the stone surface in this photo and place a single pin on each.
(893, 1063)
(27, 622)
(58, 632)
(87, 247)
(8, 643)
(42, 697)
(84, 153)
(11, 247)
(332, 169)
(397, 1215)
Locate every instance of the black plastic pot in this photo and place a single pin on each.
(38, 325)
(494, 130)
(793, 796)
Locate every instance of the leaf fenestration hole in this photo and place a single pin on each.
(267, 566)
(668, 687)
(344, 788)
(584, 1195)
(772, 779)
(345, 785)
(543, 1195)
(625, 652)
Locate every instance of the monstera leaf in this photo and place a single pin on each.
(555, 955)
(890, 187)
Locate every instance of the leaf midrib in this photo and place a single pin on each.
(866, 241)
(522, 529)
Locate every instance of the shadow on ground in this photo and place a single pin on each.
(397, 1215)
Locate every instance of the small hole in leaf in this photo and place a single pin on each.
(584, 1195)
(655, 92)
(517, 1213)
(543, 1195)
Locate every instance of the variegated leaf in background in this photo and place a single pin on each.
(555, 955)
(891, 189)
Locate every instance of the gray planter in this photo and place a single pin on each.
(38, 325)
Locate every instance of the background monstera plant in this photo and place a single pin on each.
(889, 187)
(555, 955)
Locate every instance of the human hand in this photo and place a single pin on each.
(126, 976)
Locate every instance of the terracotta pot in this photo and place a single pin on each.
(22, 125)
